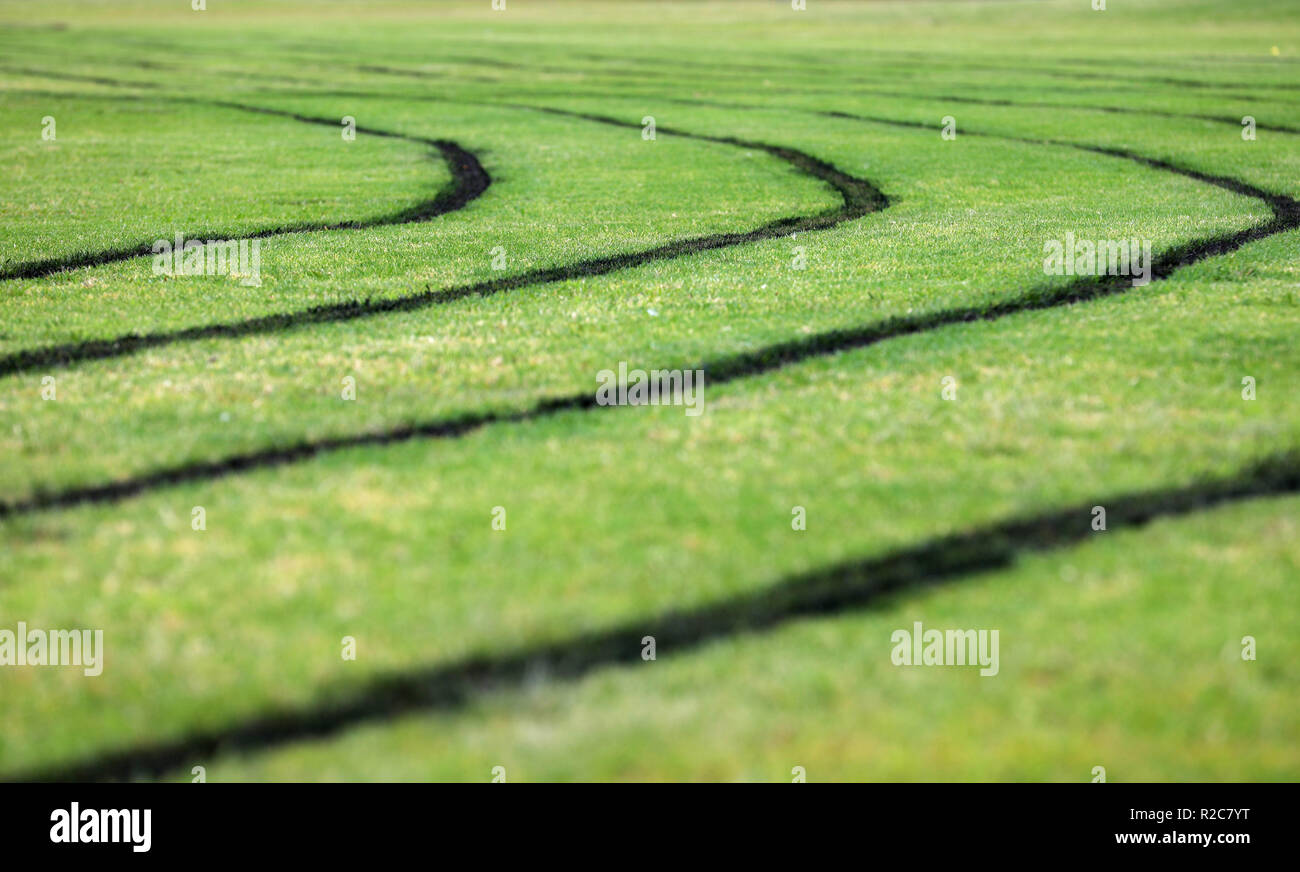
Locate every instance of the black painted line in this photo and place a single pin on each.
(725, 369)
(835, 589)
(468, 181)
(858, 195)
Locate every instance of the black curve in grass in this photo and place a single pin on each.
(978, 101)
(874, 91)
(797, 67)
(1113, 110)
(74, 77)
(912, 95)
(1286, 209)
(1286, 216)
(858, 195)
(853, 584)
(728, 70)
(803, 65)
(949, 98)
(468, 181)
(800, 66)
(928, 62)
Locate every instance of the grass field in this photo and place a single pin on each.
(244, 484)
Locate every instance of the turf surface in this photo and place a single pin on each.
(800, 229)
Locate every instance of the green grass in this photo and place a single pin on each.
(1119, 651)
(1086, 679)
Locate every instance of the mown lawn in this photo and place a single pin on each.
(1119, 648)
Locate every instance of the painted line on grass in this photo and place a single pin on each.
(852, 584)
(859, 198)
(721, 370)
(856, 87)
(468, 182)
